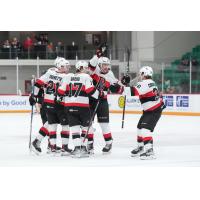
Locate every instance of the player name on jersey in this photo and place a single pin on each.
(57, 78)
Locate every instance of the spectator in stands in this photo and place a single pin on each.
(45, 39)
(50, 50)
(28, 43)
(6, 51)
(15, 47)
(27, 46)
(15, 43)
(60, 49)
(40, 46)
(6, 44)
(194, 62)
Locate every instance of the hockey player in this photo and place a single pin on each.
(41, 109)
(152, 105)
(55, 112)
(100, 72)
(77, 88)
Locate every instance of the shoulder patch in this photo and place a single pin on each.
(151, 84)
(138, 86)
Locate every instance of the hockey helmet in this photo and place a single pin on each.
(104, 64)
(63, 65)
(81, 66)
(146, 71)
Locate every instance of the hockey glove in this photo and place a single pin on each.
(126, 80)
(59, 99)
(101, 50)
(101, 84)
(32, 100)
(163, 106)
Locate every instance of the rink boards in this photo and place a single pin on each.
(177, 104)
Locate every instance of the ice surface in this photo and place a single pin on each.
(177, 143)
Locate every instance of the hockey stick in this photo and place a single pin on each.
(124, 106)
(100, 87)
(91, 120)
(31, 122)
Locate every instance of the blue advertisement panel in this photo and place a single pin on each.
(169, 101)
(182, 101)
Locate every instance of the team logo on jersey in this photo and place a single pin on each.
(121, 101)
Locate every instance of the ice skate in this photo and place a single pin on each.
(65, 151)
(58, 149)
(52, 150)
(137, 151)
(76, 153)
(35, 147)
(90, 148)
(84, 152)
(148, 155)
(48, 147)
(107, 149)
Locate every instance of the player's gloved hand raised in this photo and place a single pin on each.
(101, 50)
(126, 80)
(99, 53)
(32, 100)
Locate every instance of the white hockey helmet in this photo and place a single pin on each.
(104, 64)
(146, 71)
(82, 66)
(63, 65)
(56, 61)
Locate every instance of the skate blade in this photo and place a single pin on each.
(80, 156)
(85, 155)
(65, 154)
(53, 154)
(152, 157)
(135, 155)
(106, 153)
(32, 149)
(91, 152)
(76, 156)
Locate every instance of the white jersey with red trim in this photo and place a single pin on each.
(51, 80)
(110, 82)
(77, 88)
(148, 94)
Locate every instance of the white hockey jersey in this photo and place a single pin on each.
(51, 80)
(77, 88)
(148, 94)
(110, 82)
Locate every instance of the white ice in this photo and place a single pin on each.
(176, 141)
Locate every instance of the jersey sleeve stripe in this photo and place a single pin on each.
(90, 90)
(40, 82)
(60, 91)
(148, 94)
(134, 91)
